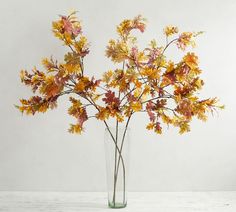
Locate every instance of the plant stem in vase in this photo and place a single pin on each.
(117, 162)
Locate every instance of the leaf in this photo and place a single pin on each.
(185, 39)
(150, 126)
(184, 127)
(103, 114)
(166, 119)
(75, 108)
(191, 60)
(221, 107)
(158, 128)
(150, 106)
(35, 104)
(79, 112)
(110, 98)
(50, 88)
(126, 26)
(71, 27)
(82, 46)
(49, 65)
(119, 117)
(107, 76)
(137, 92)
(75, 128)
(136, 106)
(170, 30)
(82, 85)
(118, 51)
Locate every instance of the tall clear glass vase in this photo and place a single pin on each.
(117, 162)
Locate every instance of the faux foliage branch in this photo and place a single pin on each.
(148, 81)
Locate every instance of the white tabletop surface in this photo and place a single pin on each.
(137, 202)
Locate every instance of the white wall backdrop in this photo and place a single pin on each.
(37, 153)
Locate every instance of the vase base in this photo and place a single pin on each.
(116, 205)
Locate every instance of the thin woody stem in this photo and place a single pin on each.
(115, 145)
(67, 43)
(115, 176)
(116, 167)
(121, 148)
(127, 94)
(159, 97)
(168, 45)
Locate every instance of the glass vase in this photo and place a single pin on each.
(117, 164)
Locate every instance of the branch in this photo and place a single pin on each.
(159, 97)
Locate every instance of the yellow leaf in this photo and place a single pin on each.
(221, 107)
(199, 83)
(119, 117)
(184, 127)
(136, 106)
(137, 92)
(191, 60)
(107, 76)
(72, 68)
(150, 126)
(81, 85)
(103, 114)
(43, 108)
(22, 75)
(75, 128)
(170, 30)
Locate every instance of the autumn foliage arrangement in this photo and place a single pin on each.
(145, 80)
